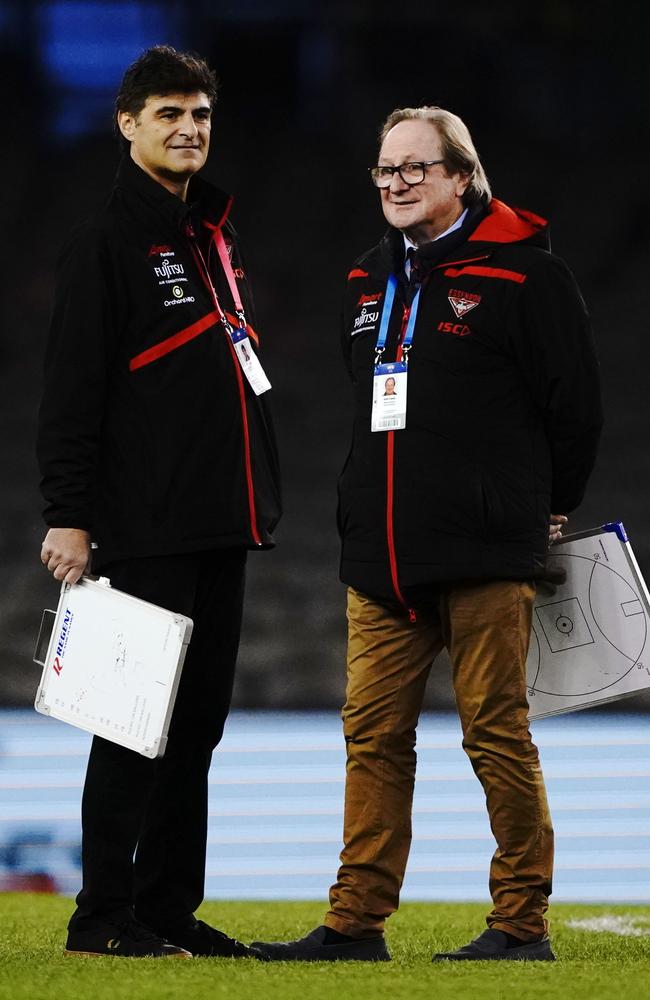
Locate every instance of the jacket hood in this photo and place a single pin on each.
(503, 224)
(485, 225)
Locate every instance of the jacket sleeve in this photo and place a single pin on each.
(77, 359)
(344, 326)
(553, 342)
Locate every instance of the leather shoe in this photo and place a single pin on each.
(128, 939)
(204, 941)
(492, 945)
(313, 949)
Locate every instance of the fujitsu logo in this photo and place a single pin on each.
(365, 318)
(166, 270)
(62, 641)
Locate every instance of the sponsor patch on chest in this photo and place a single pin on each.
(462, 302)
(170, 276)
(366, 320)
(368, 317)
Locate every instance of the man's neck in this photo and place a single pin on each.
(176, 185)
(410, 242)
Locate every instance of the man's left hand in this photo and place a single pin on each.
(555, 527)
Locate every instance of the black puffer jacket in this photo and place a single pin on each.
(503, 416)
(149, 436)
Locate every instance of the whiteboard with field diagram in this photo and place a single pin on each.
(590, 641)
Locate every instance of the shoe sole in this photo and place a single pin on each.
(109, 954)
(320, 958)
(275, 957)
(494, 958)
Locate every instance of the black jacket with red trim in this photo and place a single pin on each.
(503, 416)
(149, 435)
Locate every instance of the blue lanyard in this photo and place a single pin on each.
(389, 298)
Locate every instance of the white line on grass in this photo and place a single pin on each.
(626, 926)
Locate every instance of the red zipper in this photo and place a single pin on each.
(247, 447)
(205, 274)
(390, 460)
(390, 468)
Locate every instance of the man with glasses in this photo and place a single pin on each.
(444, 510)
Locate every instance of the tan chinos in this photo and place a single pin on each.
(485, 628)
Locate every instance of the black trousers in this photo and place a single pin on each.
(145, 821)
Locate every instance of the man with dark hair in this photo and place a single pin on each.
(155, 442)
(161, 70)
(445, 505)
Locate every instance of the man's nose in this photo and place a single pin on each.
(396, 182)
(188, 126)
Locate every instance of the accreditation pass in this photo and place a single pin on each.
(389, 397)
(249, 361)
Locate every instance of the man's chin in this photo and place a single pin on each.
(183, 171)
(403, 217)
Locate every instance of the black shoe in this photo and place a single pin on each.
(130, 939)
(492, 945)
(313, 949)
(204, 941)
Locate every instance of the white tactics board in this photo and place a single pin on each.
(113, 665)
(590, 641)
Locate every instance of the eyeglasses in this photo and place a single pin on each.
(411, 173)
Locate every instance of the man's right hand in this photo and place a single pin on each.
(66, 553)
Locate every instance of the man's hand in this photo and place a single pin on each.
(66, 553)
(555, 527)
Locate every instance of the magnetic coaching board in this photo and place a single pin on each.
(113, 665)
(590, 640)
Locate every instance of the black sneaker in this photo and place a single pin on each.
(130, 939)
(204, 941)
(492, 945)
(313, 949)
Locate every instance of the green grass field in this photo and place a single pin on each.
(591, 965)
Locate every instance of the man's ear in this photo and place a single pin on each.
(462, 184)
(126, 122)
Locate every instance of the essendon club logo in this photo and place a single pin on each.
(369, 299)
(462, 302)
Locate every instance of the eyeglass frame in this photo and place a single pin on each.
(398, 169)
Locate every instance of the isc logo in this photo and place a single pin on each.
(457, 328)
(57, 666)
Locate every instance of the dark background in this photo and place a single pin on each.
(555, 97)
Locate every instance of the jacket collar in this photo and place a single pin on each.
(391, 247)
(487, 224)
(205, 202)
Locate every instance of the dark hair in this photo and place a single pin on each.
(162, 70)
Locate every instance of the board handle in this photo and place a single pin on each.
(44, 636)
